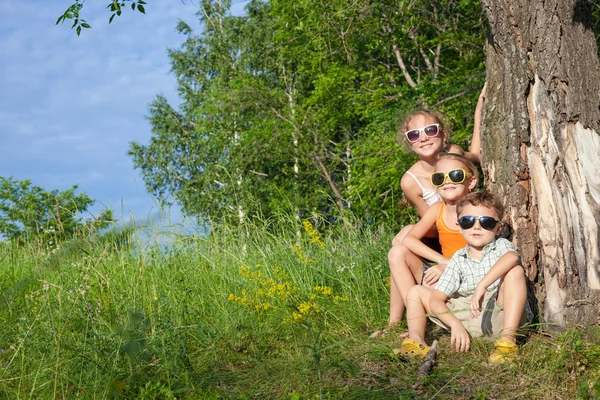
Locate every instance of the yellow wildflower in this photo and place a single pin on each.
(313, 234)
(325, 290)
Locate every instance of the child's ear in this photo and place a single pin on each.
(472, 183)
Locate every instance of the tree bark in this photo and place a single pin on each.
(541, 148)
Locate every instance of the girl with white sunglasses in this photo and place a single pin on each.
(424, 132)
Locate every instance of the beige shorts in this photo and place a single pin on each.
(489, 322)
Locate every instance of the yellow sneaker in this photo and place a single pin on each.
(504, 351)
(412, 349)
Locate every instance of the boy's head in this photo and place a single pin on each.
(479, 216)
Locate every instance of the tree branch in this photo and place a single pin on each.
(400, 61)
(338, 197)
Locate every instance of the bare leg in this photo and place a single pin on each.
(513, 295)
(416, 312)
(405, 272)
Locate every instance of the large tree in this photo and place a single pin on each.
(296, 104)
(541, 145)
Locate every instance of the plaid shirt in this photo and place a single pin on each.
(463, 272)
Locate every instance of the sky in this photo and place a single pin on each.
(70, 106)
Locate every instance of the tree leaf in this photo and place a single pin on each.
(141, 9)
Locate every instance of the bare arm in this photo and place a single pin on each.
(411, 189)
(501, 268)
(418, 232)
(474, 152)
(459, 337)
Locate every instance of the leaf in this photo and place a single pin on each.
(111, 18)
(141, 9)
(75, 23)
(60, 19)
(85, 25)
(79, 30)
(133, 6)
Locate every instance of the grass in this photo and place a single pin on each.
(271, 309)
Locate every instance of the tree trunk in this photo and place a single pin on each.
(541, 148)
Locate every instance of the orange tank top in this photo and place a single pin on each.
(451, 240)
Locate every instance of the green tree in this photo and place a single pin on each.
(27, 211)
(296, 104)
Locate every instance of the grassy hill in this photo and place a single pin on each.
(271, 309)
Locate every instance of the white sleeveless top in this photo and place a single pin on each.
(429, 195)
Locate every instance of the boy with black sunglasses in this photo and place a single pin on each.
(482, 290)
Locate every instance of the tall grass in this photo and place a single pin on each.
(270, 309)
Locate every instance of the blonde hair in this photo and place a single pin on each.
(483, 198)
(434, 115)
(470, 168)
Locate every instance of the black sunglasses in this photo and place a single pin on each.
(415, 134)
(468, 221)
(456, 176)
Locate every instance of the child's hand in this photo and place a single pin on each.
(432, 275)
(459, 338)
(476, 299)
(482, 94)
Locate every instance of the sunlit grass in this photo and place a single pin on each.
(271, 309)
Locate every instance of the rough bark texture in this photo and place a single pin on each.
(541, 149)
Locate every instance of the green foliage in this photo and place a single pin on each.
(28, 211)
(295, 106)
(116, 7)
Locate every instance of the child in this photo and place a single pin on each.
(455, 176)
(486, 272)
(424, 132)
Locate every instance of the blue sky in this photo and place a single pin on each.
(70, 106)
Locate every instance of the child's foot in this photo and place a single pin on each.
(381, 333)
(504, 351)
(412, 349)
(378, 334)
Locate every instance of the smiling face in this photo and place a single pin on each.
(449, 191)
(476, 236)
(426, 147)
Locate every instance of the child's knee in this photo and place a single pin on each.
(396, 253)
(418, 293)
(516, 274)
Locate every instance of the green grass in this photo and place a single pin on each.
(266, 310)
